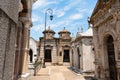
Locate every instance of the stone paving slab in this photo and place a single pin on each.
(43, 72)
(57, 73)
(57, 76)
(39, 78)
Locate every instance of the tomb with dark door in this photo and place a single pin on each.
(66, 57)
(48, 55)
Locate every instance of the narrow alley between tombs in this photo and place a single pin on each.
(59, 39)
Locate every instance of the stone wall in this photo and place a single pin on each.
(33, 47)
(82, 55)
(14, 38)
(10, 7)
(106, 22)
(88, 55)
(7, 50)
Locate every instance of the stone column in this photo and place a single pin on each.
(25, 45)
(96, 53)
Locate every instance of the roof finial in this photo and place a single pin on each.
(78, 29)
(48, 27)
(64, 28)
(72, 34)
(82, 29)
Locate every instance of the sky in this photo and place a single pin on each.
(71, 14)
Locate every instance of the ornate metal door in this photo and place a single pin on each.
(111, 59)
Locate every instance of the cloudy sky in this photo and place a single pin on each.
(71, 14)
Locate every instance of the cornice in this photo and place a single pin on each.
(105, 15)
(106, 6)
(101, 11)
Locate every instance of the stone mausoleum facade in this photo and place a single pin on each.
(57, 50)
(33, 52)
(105, 21)
(82, 52)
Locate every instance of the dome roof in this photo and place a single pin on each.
(48, 31)
(64, 31)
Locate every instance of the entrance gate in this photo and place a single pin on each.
(111, 59)
(48, 55)
(66, 56)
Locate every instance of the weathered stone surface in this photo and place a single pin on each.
(106, 26)
(10, 52)
(13, 43)
(4, 21)
(7, 50)
(10, 7)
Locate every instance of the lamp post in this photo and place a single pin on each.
(50, 11)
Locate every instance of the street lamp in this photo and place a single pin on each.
(50, 11)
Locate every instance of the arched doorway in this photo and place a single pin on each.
(78, 58)
(31, 55)
(111, 58)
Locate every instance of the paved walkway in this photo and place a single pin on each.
(57, 73)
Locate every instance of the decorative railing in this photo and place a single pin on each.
(37, 67)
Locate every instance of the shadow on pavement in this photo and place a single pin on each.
(89, 78)
(77, 71)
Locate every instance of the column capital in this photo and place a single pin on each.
(26, 21)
